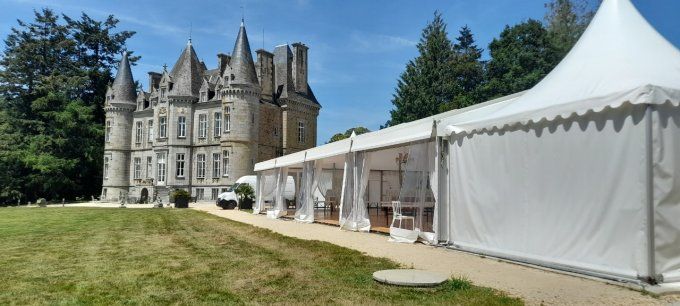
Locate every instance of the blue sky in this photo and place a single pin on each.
(358, 48)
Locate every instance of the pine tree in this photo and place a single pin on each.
(53, 76)
(428, 82)
(468, 71)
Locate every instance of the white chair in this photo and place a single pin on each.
(398, 216)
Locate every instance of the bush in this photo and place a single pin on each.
(181, 194)
(245, 192)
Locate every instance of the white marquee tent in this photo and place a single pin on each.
(580, 172)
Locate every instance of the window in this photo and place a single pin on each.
(199, 193)
(202, 125)
(149, 166)
(163, 92)
(216, 165)
(139, 134)
(227, 119)
(181, 127)
(252, 118)
(214, 193)
(204, 96)
(218, 125)
(108, 131)
(160, 157)
(104, 194)
(301, 132)
(225, 163)
(162, 127)
(276, 131)
(200, 166)
(150, 131)
(138, 168)
(180, 165)
(106, 167)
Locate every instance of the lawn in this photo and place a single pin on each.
(171, 256)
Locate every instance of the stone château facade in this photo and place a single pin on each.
(201, 129)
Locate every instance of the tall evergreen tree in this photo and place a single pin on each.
(428, 82)
(53, 76)
(340, 136)
(468, 71)
(520, 58)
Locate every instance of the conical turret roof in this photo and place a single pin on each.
(242, 65)
(123, 87)
(187, 73)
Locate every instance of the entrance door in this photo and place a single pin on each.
(144, 198)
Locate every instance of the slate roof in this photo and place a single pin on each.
(242, 65)
(123, 87)
(187, 73)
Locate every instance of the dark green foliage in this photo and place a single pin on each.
(181, 194)
(245, 192)
(340, 136)
(520, 58)
(468, 71)
(566, 20)
(428, 81)
(53, 77)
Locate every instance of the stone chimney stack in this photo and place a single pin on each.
(300, 67)
(223, 61)
(265, 72)
(154, 80)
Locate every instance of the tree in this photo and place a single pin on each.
(53, 77)
(468, 71)
(520, 58)
(340, 136)
(428, 81)
(565, 21)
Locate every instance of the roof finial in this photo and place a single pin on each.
(165, 67)
(243, 13)
(191, 27)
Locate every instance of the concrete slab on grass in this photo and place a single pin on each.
(409, 277)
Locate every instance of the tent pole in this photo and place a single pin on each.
(651, 260)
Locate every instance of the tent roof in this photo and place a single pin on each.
(395, 135)
(619, 59)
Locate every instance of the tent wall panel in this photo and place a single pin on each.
(571, 193)
(666, 140)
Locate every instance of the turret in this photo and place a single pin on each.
(242, 102)
(120, 103)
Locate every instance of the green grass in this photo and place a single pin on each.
(170, 256)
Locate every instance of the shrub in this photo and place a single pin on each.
(181, 194)
(245, 192)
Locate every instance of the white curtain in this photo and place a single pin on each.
(266, 184)
(353, 212)
(309, 182)
(415, 197)
(280, 207)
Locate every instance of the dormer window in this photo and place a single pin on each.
(233, 77)
(204, 96)
(163, 92)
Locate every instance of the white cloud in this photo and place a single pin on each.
(364, 42)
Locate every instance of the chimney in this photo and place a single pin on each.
(154, 80)
(265, 71)
(222, 62)
(300, 67)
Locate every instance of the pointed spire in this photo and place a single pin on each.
(187, 72)
(123, 87)
(242, 65)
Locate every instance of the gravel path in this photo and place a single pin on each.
(535, 286)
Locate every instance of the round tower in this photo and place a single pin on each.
(241, 102)
(119, 105)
